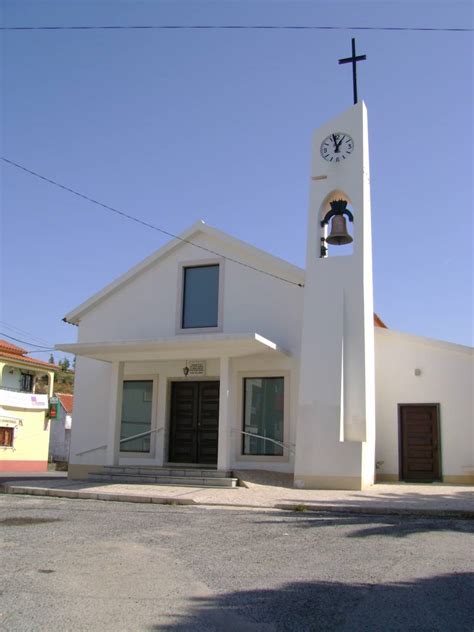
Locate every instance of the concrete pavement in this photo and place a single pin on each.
(76, 565)
(264, 491)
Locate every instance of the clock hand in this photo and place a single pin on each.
(336, 146)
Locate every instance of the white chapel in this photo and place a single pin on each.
(213, 357)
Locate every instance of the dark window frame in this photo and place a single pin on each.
(185, 268)
(6, 431)
(26, 382)
(150, 447)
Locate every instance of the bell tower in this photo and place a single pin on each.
(335, 441)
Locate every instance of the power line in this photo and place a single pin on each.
(17, 330)
(32, 344)
(143, 223)
(243, 27)
(41, 350)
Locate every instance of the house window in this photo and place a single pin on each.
(136, 416)
(26, 383)
(200, 297)
(263, 416)
(6, 437)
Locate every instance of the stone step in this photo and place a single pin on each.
(136, 478)
(166, 471)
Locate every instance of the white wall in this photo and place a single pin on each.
(91, 409)
(146, 306)
(446, 378)
(11, 377)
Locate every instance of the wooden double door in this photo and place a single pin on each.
(419, 443)
(194, 422)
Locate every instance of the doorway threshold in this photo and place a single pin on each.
(197, 466)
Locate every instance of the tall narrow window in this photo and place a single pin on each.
(200, 297)
(136, 416)
(263, 416)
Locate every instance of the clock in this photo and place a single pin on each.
(337, 147)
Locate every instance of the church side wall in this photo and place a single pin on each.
(446, 379)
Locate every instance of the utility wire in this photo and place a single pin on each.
(17, 330)
(41, 350)
(248, 27)
(143, 223)
(32, 344)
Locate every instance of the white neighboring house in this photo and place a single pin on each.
(191, 357)
(60, 435)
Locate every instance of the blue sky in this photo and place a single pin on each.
(173, 126)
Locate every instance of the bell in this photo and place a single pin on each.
(339, 235)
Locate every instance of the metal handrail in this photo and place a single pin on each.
(142, 434)
(101, 447)
(286, 446)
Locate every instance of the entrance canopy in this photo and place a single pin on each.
(183, 347)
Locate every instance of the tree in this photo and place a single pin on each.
(51, 359)
(64, 364)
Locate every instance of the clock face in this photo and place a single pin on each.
(337, 147)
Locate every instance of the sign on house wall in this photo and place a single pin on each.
(23, 400)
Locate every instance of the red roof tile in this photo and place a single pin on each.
(67, 401)
(9, 347)
(12, 352)
(378, 322)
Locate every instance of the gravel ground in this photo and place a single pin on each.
(88, 565)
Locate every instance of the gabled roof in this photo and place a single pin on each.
(268, 262)
(67, 401)
(9, 351)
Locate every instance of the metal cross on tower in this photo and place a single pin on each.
(353, 60)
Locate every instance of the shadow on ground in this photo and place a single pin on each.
(451, 501)
(429, 604)
(392, 526)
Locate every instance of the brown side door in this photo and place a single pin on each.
(194, 422)
(419, 442)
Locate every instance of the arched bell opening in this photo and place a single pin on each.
(336, 226)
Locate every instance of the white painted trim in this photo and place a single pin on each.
(207, 345)
(197, 263)
(238, 455)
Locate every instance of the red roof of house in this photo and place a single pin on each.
(9, 347)
(10, 351)
(67, 401)
(378, 322)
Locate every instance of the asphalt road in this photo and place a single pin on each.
(88, 565)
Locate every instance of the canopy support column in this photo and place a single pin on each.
(115, 413)
(224, 444)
